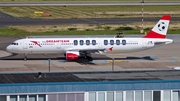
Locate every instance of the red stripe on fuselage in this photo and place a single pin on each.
(153, 34)
(35, 42)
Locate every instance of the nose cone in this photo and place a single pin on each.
(9, 48)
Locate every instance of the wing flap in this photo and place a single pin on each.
(88, 50)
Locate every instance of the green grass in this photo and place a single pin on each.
(6, 31)
(92, 11)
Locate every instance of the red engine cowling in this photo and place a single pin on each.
(72, 55)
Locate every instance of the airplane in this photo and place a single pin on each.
(74, 48)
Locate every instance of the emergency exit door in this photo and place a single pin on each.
(25, 45)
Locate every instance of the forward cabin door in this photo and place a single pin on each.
(144, 43)
(100, 43)
(25, 45)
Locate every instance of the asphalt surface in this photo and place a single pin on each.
(83, 3)
(7, 20)
(165, 57)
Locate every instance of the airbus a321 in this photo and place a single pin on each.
(73, 48)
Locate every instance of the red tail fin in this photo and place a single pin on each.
(160, 29)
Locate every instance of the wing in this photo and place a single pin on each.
(88, 50)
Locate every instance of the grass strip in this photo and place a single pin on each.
(67, 12)
(7, 31)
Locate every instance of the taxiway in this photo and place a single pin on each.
(7, 20)
(159, 58)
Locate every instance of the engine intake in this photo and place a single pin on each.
(72, 55)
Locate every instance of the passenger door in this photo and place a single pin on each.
(144, 43)
(100, 44)
(25, 45)
(58, 45)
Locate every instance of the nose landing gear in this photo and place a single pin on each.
(25, 57)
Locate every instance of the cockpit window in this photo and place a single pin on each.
(14, 43)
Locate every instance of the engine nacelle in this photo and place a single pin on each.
(72, 55)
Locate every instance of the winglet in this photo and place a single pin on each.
(160, 29)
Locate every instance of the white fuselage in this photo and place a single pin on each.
(61, 45)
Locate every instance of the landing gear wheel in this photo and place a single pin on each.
(25, 57)
(89, 58)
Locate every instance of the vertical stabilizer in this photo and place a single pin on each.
(160, 29)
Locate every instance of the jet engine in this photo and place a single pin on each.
(72, 55)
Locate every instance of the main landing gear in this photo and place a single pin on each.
(88, 57)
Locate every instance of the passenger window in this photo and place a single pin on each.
(93, 42)
(75, 42)
(111, 42)
(124, 42)
(81, 42)
(87, 42)
(117, 42)
(105, 42)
